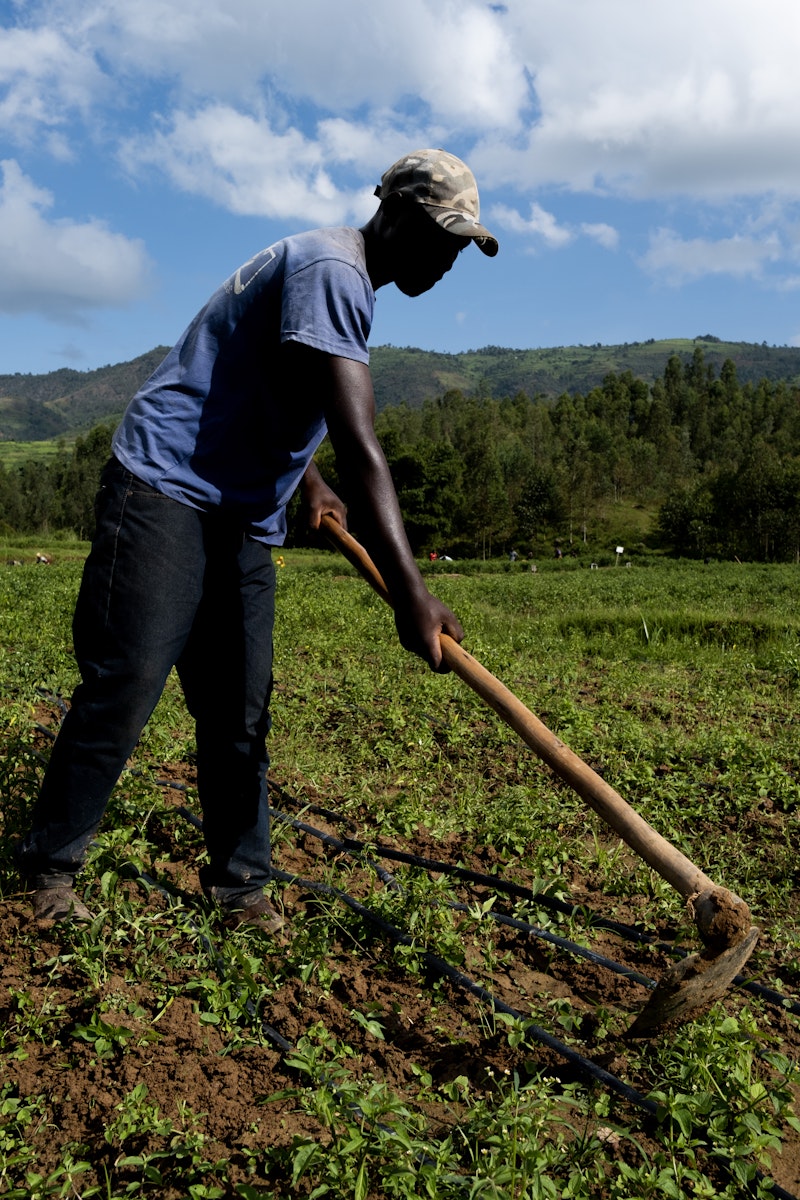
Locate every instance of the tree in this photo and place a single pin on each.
(77, 481)
(686, 522)
(427, 479)
(488, 513)
(755, 507)
(539, 508)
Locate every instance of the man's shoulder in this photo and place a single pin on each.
(339, 243)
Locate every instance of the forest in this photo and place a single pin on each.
(696, 464)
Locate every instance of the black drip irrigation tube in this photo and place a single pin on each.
(446, 970)
(627, 932)
(352, 846)
(583, 1066)
(441, 967)
(500, 918)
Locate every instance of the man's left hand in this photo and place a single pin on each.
(319, 499)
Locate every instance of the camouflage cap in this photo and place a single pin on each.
(446, 189)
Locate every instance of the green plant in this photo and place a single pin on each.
(696, 729)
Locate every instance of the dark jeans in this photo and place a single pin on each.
(163, 586)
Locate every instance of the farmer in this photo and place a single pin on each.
(204, 463)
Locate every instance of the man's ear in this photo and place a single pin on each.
(393, 203)
(395, 208)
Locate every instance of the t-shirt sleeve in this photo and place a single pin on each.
(328, 305)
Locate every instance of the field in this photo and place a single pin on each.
(418, 1032)
(13, 454)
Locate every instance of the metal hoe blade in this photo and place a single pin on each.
(692, 985)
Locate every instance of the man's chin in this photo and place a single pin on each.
(414, 289)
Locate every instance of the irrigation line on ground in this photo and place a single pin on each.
(628, 932)
(770, 995)
(500, 918)
(592, 956)
(496, 881)
(583, 1066)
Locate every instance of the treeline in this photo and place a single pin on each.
(714, 464)
(44, 496)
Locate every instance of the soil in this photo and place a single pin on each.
(232, 1090)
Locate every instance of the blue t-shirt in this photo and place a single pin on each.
(218, 424)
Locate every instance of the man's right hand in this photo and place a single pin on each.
(419, 623)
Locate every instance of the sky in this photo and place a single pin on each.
(638, 161)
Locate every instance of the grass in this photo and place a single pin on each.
(679, 683)
(13, 453)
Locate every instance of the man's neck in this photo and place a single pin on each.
(378, 267)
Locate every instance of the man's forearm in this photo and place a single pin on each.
(373, 498)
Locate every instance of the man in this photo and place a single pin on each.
(205, 461)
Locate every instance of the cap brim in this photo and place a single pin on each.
(462, 226)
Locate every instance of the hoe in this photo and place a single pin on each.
(723, 920)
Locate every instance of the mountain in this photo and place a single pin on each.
(66, 402)
(415, 375)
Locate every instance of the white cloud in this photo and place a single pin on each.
(244, 165)
(454, 56)
(60, 269)
(366, 87)
(540, 224)
(658, 99)
(294, 116)
(43, 78)
(544, 226)
(680, 260)
(605, 235)
(645, 100)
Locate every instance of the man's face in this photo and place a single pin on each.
(424, 252)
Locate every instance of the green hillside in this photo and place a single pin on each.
(412, 376)
(64, 403)
(678, 455)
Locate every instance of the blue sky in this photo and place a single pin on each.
(638, 160)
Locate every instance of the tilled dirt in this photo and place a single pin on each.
(429, 1026)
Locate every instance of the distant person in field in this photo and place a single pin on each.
(207, 456)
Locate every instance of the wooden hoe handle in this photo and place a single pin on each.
(668, 861)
